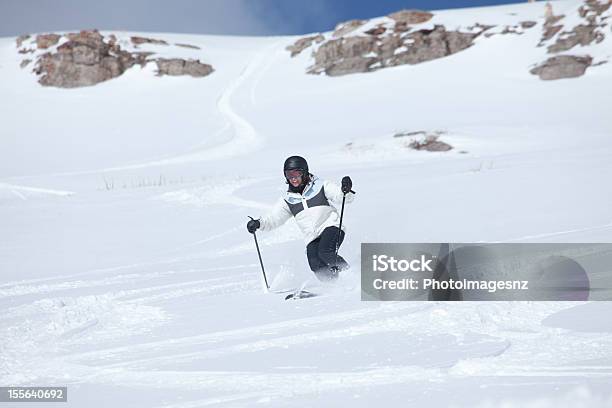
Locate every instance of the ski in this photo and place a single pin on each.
(300, 294)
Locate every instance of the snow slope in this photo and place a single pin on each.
(127, 274)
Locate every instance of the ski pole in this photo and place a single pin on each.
(260, 261)
(340, 226)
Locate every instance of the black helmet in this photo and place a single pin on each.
(295, 163)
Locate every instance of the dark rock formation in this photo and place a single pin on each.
(570, 66)
(528, 24)
(303, 43)
(580, 35)
(44, 41)
(376, 31)
(176, 66)
(549, 32)
(144, 40)
(194, 47)
(25, 63)
(511, 30)
(563, 66)
(550, 27)
(583, 34)
(344, 56)
(84, 60)
(87, 58)
(430, 144)
(366, 53)
(390, 43)
(427, 45)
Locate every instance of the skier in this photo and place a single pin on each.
(307, 199)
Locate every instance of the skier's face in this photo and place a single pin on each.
(294, 177)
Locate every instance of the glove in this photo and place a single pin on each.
(253, 225)
(347, 184)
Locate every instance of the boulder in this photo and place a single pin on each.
(511, 30)
(144, 40)
(91, 38)
(549, 32)
(303, 43)
(350, 65)
(428, 45)
(580, 35)
(562, 66)
(353, 54)
(44, 41)
(388, 46)
(346, 27)
(430, 144)
(341, 56)
(583, 34)
(87, 58)
(177, 66)
(597, 7)
(193, 47)
(84, 60)
(528, 24)
(411, 16)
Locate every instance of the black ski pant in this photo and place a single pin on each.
(322, 254)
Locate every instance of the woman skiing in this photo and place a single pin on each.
(307, 199)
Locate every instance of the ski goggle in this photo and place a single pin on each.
(294, 174)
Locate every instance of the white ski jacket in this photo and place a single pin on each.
(311, 209)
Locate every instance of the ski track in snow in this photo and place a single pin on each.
(558, 233)
(242, 139)
(26, 192)
(513, 341)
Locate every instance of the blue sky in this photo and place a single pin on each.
(235, 17)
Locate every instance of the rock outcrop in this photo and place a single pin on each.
(550, 27)
(193, 47)
(84, 60)
(87, 58)
(562, 66)
(430, 143)
(144, 40)
(359, 46)
(44, 41)
(584, 34)
(527, 24)
(404, 18)
(176, 66)
(303, 43)
(408, 17)
(373, 51)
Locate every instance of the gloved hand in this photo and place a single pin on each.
(347, 184)
(253, 225)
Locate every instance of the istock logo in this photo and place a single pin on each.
(383, 263)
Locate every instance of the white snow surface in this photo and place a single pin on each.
(127, 273)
